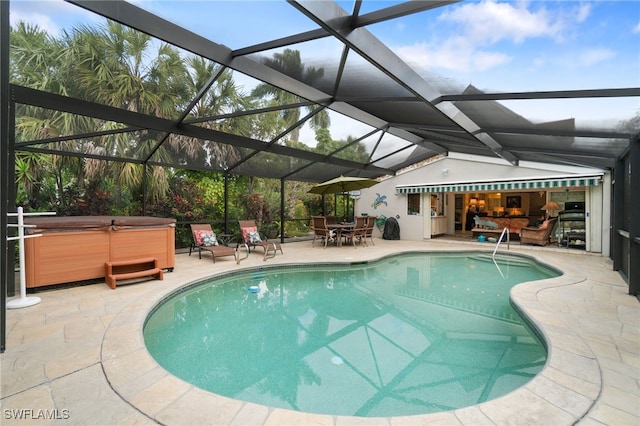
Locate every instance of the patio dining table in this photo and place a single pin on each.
(339, 228)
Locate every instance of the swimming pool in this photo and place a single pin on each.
(409, 334)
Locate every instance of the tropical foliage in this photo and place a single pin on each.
(116, 66)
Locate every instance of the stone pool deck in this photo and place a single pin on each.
(79, 354)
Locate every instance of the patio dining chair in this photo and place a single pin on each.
(371, 222)
(357, 234)
(320, 230)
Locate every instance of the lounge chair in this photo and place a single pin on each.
(205, 239)
(538, 235)
(251, 238)
(320, 230)
(358, 232)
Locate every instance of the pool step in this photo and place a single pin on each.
(502, 259)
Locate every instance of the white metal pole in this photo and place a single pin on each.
(23, 301)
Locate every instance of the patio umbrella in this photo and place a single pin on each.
(342, 184)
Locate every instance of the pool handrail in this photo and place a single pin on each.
(505, 230)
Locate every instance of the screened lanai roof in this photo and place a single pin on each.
(400, 82)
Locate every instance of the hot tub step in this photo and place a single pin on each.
(132, 268)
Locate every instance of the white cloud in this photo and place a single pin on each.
(636, 29)
(43, 22)
(483, 61)
(584, 10)
(479, 27)
(538, 62)
(457, 54)
(491, 22)
(49, 15)
(595, 55)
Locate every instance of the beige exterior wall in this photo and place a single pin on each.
(383, 199)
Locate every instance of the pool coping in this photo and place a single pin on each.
(561, 393)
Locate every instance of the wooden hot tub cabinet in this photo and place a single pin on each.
(76, 248)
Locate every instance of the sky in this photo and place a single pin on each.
(498, 46)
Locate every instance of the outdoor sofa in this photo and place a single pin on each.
(514, 224)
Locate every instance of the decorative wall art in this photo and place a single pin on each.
(380, 200)
(514, 202)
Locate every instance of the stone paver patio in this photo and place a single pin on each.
(79, 356)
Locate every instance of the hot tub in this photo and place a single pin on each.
(76, 248)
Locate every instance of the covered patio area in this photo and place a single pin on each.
(80, 354)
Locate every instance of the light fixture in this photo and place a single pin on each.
(482, 204)
(498, 211)
(473, 202)
(550, 206)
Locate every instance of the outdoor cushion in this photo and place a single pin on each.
(200, 236)
(209, 239)
(513, 223)
(245, 233)
(254, 237)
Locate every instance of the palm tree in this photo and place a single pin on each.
(223, 97)
(113, 65)
(35, 61)
(110, 64)
(289, 62)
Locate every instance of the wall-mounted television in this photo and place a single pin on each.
(574, 205)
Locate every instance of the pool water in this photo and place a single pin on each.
(411, 334)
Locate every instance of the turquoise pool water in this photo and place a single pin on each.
(411, 334)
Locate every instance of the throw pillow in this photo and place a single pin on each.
(209, 239)
(199, 234)
(245, 233)
(254, 237)
(544, 225)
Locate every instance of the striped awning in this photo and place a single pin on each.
(535, 184)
